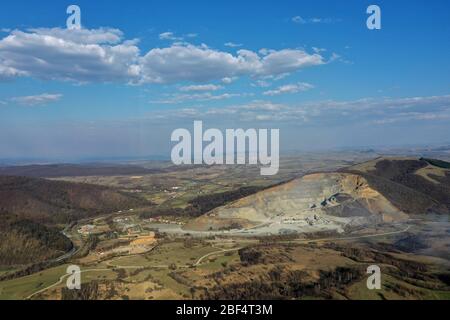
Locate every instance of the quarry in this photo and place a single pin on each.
(313, 203)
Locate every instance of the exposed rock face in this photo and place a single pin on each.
(317, 202)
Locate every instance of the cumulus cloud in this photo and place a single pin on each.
(102, 55)
(186, 62)
(287, 61)
(41, 99)
(289, 88)
(69, 55)
(83, 36)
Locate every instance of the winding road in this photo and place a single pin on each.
(199, 261)
(221, 251)
(60, 281)
(353, 238)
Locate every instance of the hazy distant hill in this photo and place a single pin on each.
(52, 202)
(72, 170)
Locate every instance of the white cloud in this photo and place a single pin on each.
(288, 60)
(7, 73)
(201, 87)
(315, 20)
(290, 88)
(62, 54)
(387, 104)
(318, 50)
(186, 62)
(229, 80)
(261, 84)
(319, 20)
(261, 105)
(298, 19)
(254, 111)
(82, 36)
(207, 96)
(369, 111)
(102, 55)
(267, 81)
(41, 99)
(233, 45)
(169, 36)
(414, 116)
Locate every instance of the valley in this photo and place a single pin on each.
(227, 233)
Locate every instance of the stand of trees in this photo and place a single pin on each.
(23, 242)
(89, 291)
(203, 204)
(283, 284)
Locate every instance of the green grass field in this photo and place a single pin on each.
(18, 289)
(176, 253)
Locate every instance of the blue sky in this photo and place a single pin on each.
(140, 69)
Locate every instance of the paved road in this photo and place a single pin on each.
(109, 263)
(60, 281)
(352, 238)
(199, 261)
(67, 255)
